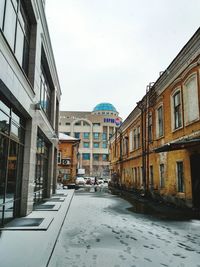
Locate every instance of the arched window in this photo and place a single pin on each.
(191, 101)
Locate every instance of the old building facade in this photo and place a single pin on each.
(94, 130)
(157, 148)
(67, 158)
(29, 108)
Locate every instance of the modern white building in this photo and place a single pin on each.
(29, 108)
(94, 130)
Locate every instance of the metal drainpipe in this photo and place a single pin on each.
(120, 157)
(147, 151)
(142, 106)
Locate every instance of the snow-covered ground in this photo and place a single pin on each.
(99, 230)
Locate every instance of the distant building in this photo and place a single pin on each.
(67, 158)
(157, 148)
(94, 130)
(29, 108)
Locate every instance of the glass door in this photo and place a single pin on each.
(3, 173)
(41, 174)
(10, 195)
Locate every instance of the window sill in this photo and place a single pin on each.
(191, 122)
(177, 129)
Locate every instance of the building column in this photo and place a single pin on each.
(50, 171)
(28, 176)
(55, 172)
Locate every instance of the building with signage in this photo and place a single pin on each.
(94, 130)
(29, 108)
(157, 148)
(67, 158)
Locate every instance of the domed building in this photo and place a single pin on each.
(94, 130)
(105, 107)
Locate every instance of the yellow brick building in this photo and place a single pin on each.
(157, 148)
(67, 159)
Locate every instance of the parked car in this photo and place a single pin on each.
(80, 181)
(88, 181)
(106, 181)
(100, 181)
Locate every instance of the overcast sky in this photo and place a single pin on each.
(110, 50)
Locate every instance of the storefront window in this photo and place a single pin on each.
(41, 174)
(11, 162)
(4, 122)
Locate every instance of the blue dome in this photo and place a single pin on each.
(105, 106)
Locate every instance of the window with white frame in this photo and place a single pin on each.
(140, 171)
(191, 100)
(86, 156)
(96, 145)
(125, 145)
(138, 137)
(150, 127)
(160, 122)
(104, 145)
(105, 157)
(177, 110)
(86, 135)
(131, 140)
(96, 157)
(96, 136)
(180, 176)
(135, 138)
(86, 144)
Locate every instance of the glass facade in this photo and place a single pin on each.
(41, 173)
(16, 28)
(11, 158)
(45, 94)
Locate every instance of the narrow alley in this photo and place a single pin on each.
(100, 230)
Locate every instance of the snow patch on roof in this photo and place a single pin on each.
(63, 136)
